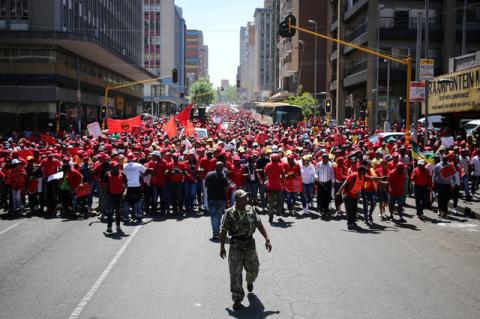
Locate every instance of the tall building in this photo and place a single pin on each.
(204, 61)
(196, 58)
(263, 43)
(352, 75)
(243, 55)
(164, 50)
(296, 55)
(225, 83)
(251, 78)
(57, 57)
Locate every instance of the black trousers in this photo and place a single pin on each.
(351, 206)
(444, 194)
(324, 196)
(114, 207)
(421, 199)
(52, 196)
(176, 196)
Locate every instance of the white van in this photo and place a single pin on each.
(471, 126)
(435, 122)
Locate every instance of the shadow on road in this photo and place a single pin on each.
(281, 223)
(116, 235)
(255, 310)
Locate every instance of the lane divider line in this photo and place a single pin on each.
(13, 226)
(83, 303)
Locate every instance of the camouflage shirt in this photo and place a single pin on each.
(240, 223)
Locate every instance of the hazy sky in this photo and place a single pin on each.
(220, 21)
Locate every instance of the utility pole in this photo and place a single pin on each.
(375, 118)
(79, 98)
(427, 39)
(418, 56)
(388, 92)
(464, 27)
(314, 62)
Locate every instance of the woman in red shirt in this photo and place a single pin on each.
(382, 187)
(273, 185)
(396, 180)
(175, 175)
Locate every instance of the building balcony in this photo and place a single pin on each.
(333, 86)
(351, 11)
(334, 25)
(333, 56)
(357, 36)
(355, 74)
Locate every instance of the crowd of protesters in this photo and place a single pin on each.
(150, 174)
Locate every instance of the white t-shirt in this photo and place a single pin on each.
(133, 171)
(476, 165)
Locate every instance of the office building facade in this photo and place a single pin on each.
(164, 50)
(56, 57)
(390, 26)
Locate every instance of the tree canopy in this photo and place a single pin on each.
(306, 101)
(202, 92)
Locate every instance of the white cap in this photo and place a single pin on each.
(155, 153)
(15, 161)
(421, 162)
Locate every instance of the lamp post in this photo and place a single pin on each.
(301, 65)
(380, 7)
(315, 61)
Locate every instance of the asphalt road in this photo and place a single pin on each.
(54, 268)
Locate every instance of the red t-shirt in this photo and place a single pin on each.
(175, 172)
(396, 181)
(273, 172)
(50, 167)
(421, 177)
(208, 165)
(236, 174)
(158, 175)
(291, 169)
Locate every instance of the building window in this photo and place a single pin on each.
(19, 9)
(3, 9)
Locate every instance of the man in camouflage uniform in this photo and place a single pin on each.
(241, 221)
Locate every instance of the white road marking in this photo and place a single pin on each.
(5, 230)
(83, 303)
(469, 227)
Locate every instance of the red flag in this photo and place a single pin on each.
(184, 116)
(73, 151)
(170, 127)
(447, 171)
(121, 126)
(25, 153)
(48, 139)
(189, 129)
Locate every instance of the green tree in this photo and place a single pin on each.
(229, 94)
(306, 101)
(201, 92)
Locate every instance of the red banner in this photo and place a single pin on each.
(82, 190)
(184, 115)
(122, 126)
(25, 153)
(48, 139)
(447, 171)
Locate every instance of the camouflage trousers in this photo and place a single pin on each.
(237, 260)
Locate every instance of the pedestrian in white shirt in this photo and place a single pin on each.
(325, 180)
(476, 173)
(308, 181)
(133, 171)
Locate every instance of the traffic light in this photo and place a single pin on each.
(174, 75)
(284, 28)
(238, 83)
(328, 105)
(103, 112)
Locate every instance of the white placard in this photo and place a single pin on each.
(55, 176)
(447, 141)
(217, 119)
(94, 129)
(427, 67)
(417, 91)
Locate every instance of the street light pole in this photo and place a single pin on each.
(375, 118)
(464, 27)
(315, 61)
(388, 91)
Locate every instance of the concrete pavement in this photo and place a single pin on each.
(170, 269)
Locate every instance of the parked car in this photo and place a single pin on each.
(199, 131)
(435, 122)
(387, 136)
(471, 126)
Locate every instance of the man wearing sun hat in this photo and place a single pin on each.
(240, 222)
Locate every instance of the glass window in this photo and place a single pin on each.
(3, 9)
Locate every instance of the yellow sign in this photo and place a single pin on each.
(460, 95)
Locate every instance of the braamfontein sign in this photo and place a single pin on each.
(461, 94)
